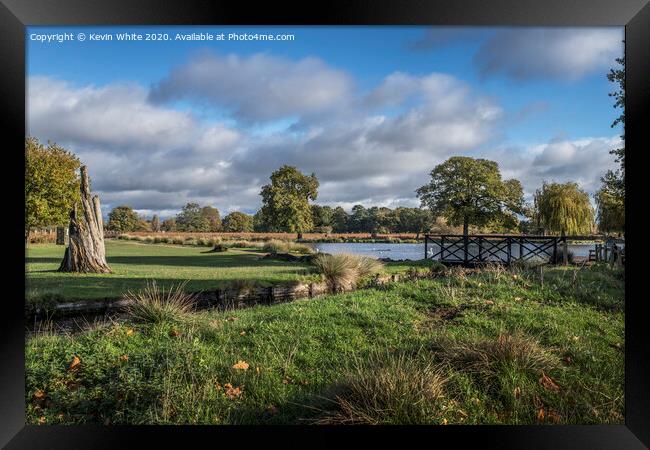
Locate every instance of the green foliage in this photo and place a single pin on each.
(563, 208)
(238, 222)
(468, 191)
(168, 225)
(213, 217)
(191, 219)
(285, 201)
(123, 218)
(342, 271)
(51, 184)
(610, 210)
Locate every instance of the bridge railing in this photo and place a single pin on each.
(493, 248)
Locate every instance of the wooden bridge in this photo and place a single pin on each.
(473, 250)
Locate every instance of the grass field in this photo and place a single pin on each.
(134, 263)
(484, 348)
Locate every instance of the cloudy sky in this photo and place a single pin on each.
(370, 110)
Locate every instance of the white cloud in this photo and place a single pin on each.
(257, 87)
(564, 53)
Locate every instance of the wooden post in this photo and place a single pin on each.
(465, 248)
(565, 255)
(521, 248)
(426, 246)
(555, 250)
(442, 247)
(509, 240)
(480, 249)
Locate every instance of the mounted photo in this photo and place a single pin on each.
(325, 225)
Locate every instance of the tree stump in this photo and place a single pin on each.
(86, 252)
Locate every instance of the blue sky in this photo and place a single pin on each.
(370, 110)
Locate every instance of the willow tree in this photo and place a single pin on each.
(285, 202)
(468, 191)
(610, 212)
(85, 252)
(563, 208)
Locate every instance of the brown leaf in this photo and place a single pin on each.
(241, 365)
(517, 392)
(554, 417)
(39, 394)
(540, 414)
(548, 383)
(74, 365)
(232, 392)
(42, 420)
(243, 333)
(174, 333)
(124, 358)
(231, 319)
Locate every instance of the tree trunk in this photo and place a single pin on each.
(465, 227)
(299, 235)
(85, 251)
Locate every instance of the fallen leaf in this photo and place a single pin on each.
(257, 369)
(232, 392)
(231, 319)
(554, 417)
(444, 421)
(567, 359)
(548, 383)
(130, 331)
(218, 386)
(241, 365)
(517, 392)
(540, 414)
(243, 333)
(60, 416)
(124, 358)
(42, 420)
(39, 394)
(489, 302)
(517, 299)
(74, 365)
(174, 333)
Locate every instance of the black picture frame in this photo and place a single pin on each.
(633, 14)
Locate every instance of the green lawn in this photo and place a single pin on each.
(133, 264)
(567, 364)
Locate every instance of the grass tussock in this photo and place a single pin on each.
(389, 389)
(491, 357)
(152, 304)
(343, 271)
(278, 246)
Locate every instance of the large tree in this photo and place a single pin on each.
(238, 222)
(610, 198)
(563, 208)
(285, 201)
(340, 220)
(191, 219)
(468, 191)
(123, 218)
(51, 185)
(155, 223)
(212, 215)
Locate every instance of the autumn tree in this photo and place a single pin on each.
(122, 218)
(213, 217)
(238, 222)
(468, 191)
(563, 208)
(155, 224)
(285, 201)
(168, 225)
(51, 185)
(191, 219)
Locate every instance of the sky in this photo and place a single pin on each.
(370, 110)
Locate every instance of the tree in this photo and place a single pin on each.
(339, 220)
(259, 223)
(563, 208)
(51, 185)
(213, 217)
(470, 191)
(155, 224)
(123, 218)
(285, 201)
(610, 212)
(322, 218)
(191, 219)
(85, 252)
(358, 222)
(238, 222)
(168, 225)
(610, 198)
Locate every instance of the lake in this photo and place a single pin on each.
(412, 251)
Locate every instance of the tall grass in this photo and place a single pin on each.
(343, 271)
(389, 389)
(154, 305)
(277, 246)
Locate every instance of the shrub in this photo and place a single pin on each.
(275, 246)
(389, 389)
(342, 271)
(154, 305)
(177, 241)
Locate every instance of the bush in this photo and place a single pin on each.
(342, 271)
(389, 389)
(153, 305)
